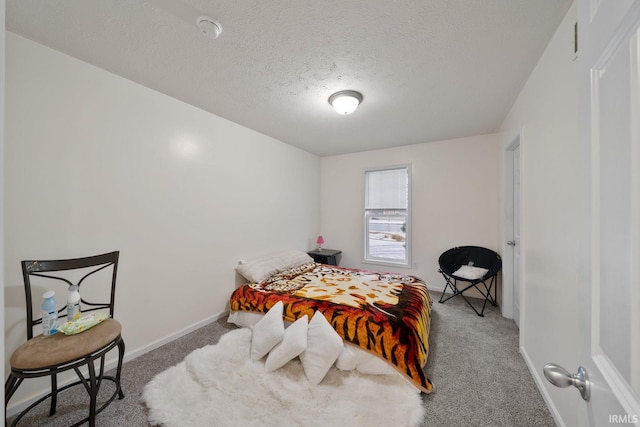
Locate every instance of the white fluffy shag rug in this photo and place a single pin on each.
(219, 385)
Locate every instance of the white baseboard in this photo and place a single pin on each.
(162, 341)
(17, 407)
(542, 389)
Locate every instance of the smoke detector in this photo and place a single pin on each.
(209, 27)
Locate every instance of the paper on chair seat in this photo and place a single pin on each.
(470, 272)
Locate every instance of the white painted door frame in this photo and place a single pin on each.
(507, 304)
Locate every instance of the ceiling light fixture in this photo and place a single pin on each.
(209, 27)
(345, 101)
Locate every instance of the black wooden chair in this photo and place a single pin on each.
(476, 267)
(50, 355)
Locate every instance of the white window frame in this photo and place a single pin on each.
(366, 257)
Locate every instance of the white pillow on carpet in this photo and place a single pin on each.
(323, 347)
(348, 358)
(268, 332)
(352, 357)
(293, 343)
(373, 365)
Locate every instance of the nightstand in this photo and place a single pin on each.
(325, 256)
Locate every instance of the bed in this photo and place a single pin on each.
(384, 316)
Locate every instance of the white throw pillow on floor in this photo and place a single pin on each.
(323, 347)
(293, 343)
(268, 332)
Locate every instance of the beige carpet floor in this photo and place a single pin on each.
(479, 375)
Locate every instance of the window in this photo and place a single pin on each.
(386, 216)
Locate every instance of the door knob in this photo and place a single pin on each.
(511, 242)
(560, 377)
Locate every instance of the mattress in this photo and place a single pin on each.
(385, 315)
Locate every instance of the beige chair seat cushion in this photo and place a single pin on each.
(45, 351)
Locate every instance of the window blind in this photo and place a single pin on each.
(387, 189)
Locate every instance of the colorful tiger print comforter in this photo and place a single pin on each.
(384, 313)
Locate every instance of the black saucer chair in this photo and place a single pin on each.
(477, 267)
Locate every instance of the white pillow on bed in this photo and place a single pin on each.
(323, 347)
(259, 269)
(268, 332)
(293, 343)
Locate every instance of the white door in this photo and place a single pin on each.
(511, 246)
(515, 242)
(609, 55)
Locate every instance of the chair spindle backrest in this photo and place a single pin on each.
(55, 271)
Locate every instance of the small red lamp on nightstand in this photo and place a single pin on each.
(320, 242)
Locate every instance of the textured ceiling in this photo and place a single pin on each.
(428, 69)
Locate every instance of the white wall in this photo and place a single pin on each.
(547, 113)
(455, 200)
(96, 163)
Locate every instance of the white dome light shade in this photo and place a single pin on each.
(345, 101)
(209, 27)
